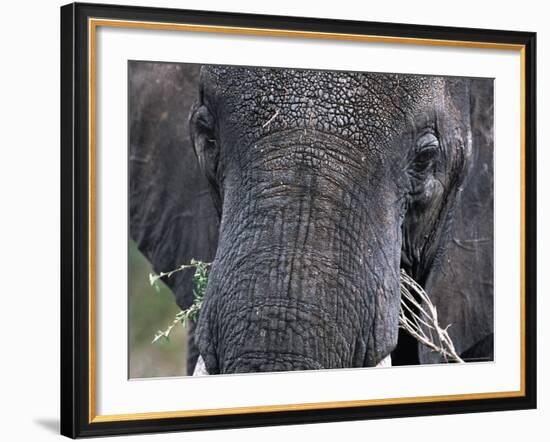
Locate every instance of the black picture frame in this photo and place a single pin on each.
(76, 403)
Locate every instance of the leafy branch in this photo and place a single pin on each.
(200, 282)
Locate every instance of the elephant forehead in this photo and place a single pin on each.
(359, 106)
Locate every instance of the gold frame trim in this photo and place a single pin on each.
(93, 24)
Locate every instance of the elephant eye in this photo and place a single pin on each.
(427, 147)
(425, 155)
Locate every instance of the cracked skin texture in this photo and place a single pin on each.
(325, 189)
(358, 107)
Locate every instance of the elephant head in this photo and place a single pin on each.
(323, 185)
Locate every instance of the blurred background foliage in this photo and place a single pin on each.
(150, 310)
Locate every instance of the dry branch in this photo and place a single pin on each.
(418, 316)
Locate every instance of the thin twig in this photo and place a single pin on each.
(268, 122)
(153, 277)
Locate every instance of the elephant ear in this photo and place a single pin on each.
(172, 216)
(461, 287)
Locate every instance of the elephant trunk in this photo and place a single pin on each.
(277, 302)
(305, 277)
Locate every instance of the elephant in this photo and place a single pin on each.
(309, 191)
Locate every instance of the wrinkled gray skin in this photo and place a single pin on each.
(325, 184)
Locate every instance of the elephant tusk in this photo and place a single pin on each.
(386, 362)
(200, 368)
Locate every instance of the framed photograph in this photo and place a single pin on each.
(279, 220)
